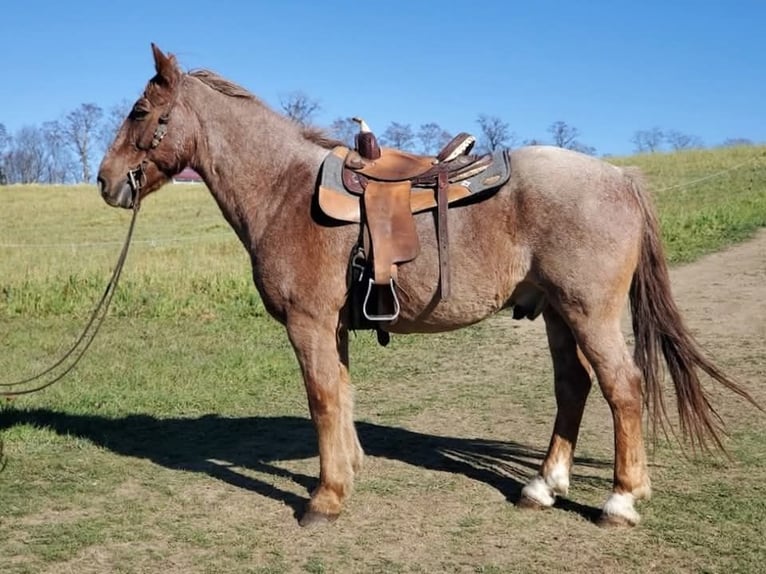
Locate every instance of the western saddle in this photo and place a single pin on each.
(381, 189)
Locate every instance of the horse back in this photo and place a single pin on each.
(563, 222)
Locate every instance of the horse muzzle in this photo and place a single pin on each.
(119, 195)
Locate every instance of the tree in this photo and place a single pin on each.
(678, 140)
(432, 138)
(59, 166)
(344, 129)
(736, 142)
(495, 133)
(80, 131)
(4, 142)
(648, 140)
(115, 116)
(299, 107)
(25, 162)
(563, 134)
(399, 136)
(566, 136)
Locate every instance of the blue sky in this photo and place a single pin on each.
(606, 68)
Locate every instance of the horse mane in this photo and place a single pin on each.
(219, 84)
(319, 136)
(228, 88)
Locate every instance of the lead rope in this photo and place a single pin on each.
(83, 342)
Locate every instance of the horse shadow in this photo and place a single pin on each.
(217, 446)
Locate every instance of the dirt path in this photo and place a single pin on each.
(726, 292)
(723, 299)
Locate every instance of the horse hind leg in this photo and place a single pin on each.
(620, 381)
(572, 383)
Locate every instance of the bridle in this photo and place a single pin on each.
(137, 175)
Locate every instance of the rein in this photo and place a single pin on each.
(97, 316)
(136, 180)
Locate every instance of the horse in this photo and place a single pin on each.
(569, 235)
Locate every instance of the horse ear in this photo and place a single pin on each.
(166, 67)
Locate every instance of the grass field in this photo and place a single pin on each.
(182, 442)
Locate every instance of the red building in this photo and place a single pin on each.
(187, 175)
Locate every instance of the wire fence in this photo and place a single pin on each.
(155, 242)
(164, 241)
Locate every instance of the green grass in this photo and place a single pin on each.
(182, 442)
(706, 199)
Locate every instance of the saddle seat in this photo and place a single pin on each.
(397, 165)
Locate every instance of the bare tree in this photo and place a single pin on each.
(566, 136)
(648, 140)
(25, 162)
(344, 129)
(495, 133)
(299, 107)
(112, 122)
(737, 142)
(5, 140)
(563, 134)
(81, 132)
(399, 136)
(678, 140)
(432, 138)
(59, 167)
(583, 148)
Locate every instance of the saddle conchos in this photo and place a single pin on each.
(381, 189)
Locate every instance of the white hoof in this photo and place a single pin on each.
(558, 480)
(620, 508)
(538, 491)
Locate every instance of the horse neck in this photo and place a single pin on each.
(244, 151)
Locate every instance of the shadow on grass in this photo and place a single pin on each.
(220, 446)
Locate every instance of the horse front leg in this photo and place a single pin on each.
(321, 347)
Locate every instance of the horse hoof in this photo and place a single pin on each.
(313, 518)
(527, 503)
(612, 521)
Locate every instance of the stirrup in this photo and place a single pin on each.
(374, 317)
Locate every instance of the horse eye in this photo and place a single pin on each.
(138, 113)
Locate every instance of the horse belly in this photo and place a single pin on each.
(445, 316)
(474, 297)
(486, 263)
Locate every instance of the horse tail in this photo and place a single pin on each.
(659, 330)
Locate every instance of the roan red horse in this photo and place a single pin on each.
(569, 234)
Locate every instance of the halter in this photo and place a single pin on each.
(137, 175)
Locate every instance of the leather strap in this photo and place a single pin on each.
(392, 227)
(443, 235)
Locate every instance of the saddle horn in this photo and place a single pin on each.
(365, 141)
